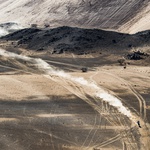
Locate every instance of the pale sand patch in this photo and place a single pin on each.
(20, 87)
(7, 119)
(54, 115)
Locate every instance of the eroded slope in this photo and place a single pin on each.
(82, 13)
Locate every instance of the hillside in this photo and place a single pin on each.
(76, 40)
(125, 16)
(74, 75)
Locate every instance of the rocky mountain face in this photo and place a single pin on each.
(123, 15)
(77, 40)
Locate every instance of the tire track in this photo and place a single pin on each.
(15, 69)
(115, 138)
(112, 115)
(54, 136)
(81, 94)
(117, 118)
(89, 133)
(109, 141)
(95, 131)
(142, 102)
(91, 100)
(144, 132)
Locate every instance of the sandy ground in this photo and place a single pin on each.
(49, 112)
(126, 16)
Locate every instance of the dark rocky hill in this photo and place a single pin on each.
(77, 40)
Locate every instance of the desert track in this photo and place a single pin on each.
(87, 123)
(109, 116)
(142, 102)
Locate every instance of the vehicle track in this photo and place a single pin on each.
(54, 136)
(129, 140)
(15, 69)
(144, 132)
(142, 102)
(89, 133)
(115, 138)
(81, 94)
(61, 63)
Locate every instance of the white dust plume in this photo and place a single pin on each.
(9, 27)
(98, 91)
(15, 27)
(3, 32)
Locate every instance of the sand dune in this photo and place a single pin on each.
(125, 16)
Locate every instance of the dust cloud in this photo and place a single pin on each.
(49, 70)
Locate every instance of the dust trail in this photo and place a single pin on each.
(7, 28)
(98, 91)
(3, 32)
(15, 26)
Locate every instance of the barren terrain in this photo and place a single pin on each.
(74, 75)
(126, 16)
(47, 110)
